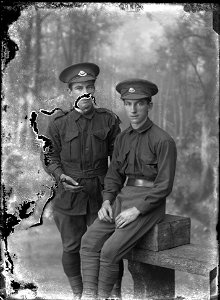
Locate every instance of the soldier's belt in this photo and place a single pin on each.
(77, 173)
(139, 182)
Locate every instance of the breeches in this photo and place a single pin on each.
(71, 229)
(113, 243)
(103, 246)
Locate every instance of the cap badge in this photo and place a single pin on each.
(82, 73)
(131, 90)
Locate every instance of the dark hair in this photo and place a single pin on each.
(70, 85)
(149, 99)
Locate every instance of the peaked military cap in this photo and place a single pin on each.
(134, 89)
(79, 72)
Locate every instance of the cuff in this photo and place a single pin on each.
(57, 172)
(147, 206)
(144, 207)
(108, 196)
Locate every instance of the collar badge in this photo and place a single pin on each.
(82, 73)
(131, 90)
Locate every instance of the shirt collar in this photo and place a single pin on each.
(90, 114)
(147, 125)
(76, 115)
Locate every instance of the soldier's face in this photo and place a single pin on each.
(137, 111)
(81, 88)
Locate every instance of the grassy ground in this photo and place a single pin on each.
(36, 254)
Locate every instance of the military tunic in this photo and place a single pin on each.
(80, 148)
(148, 152)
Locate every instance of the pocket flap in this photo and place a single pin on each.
(101, 133)
(149, 160)
(70, 135)
(123, 155)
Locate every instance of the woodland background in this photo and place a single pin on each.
(177, 50)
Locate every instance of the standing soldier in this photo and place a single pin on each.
(81, 140)
(139, 179)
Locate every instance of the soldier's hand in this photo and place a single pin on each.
(127, 216)
(70, 184)
(105, 212)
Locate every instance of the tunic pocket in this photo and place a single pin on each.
(64, 199)
(70, 135)
(100, 143)
(101, 134)
(149, 167)
(71, 146)
(122, 160)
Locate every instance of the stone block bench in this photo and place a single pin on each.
(164, 250)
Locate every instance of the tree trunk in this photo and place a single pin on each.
(160, 104)
(165, 101)
(180, 124)
(38, 41)
(204, 153)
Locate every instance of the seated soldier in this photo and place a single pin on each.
(139, 179)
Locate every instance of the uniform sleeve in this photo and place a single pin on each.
(114, 180)
(51, 156)
(163, 184)
(114, 131)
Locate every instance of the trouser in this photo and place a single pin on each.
(71, 229)
(103, 246)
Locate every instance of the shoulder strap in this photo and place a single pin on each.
(105, 110)
(60, 113)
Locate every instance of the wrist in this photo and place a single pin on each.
(136, 210)
(57, 173)
(62, 177)
(106, 202)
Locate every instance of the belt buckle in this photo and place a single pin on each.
(143, 182)
(139, 182)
